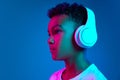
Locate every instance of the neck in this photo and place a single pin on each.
(76, 65)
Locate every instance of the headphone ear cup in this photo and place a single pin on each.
(78, 36)
(85, 37)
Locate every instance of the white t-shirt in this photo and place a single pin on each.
(91, 73)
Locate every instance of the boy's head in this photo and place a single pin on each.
(76, 12)
(64, 20)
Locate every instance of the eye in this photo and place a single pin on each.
(57, 31)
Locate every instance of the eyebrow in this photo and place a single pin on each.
(57, 25)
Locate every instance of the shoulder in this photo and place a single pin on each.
(57, 75)
(91, 73)
(98, 73)
(95, 73)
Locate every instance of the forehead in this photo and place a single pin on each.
(63, 21)
(57, 20)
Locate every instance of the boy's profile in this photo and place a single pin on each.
(65, 42)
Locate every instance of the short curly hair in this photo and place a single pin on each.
(77, 12)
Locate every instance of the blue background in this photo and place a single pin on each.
(24, 53)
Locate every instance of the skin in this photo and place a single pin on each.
(61, 30)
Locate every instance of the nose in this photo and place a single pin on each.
(51, 40)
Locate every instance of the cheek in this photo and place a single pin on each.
(64, 44)
(66, 47)
(58, 39)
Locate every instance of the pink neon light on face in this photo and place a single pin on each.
(61, 30)
(55, 33)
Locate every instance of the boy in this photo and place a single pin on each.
(71, 30)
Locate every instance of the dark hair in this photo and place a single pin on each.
(77, 12)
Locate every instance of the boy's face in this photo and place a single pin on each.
(61, 30)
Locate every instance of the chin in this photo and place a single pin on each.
(56, 58)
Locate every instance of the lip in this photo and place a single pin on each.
(52, 49)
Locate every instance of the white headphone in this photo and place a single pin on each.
(86, 35)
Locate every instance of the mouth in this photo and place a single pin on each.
(52, 49)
